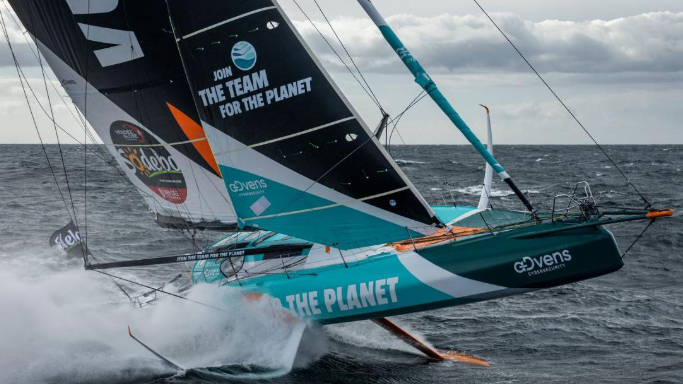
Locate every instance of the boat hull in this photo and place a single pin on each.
(454, 273)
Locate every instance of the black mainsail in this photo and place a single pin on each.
(118, 62)
(295, 155)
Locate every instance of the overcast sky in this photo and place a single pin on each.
(617, 64)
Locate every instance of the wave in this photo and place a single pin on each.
(400, 161)
(475, 190)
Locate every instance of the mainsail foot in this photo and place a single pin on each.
(429, 351)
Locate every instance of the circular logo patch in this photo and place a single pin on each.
(153, 165)
(243, 55)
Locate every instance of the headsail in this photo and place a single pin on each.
(118, 62)
(296, 157)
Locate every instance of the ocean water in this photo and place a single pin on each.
(61, 324)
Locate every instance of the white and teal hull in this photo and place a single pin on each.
(384, 282)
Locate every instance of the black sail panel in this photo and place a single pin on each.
(118, 61)
(295, 156)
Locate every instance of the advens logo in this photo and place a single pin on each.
(243, 55)
(542, 264)
(248, 188)
(153, 165)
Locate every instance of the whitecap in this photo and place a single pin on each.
(401, 161)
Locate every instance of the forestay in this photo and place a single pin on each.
(118, 62)
(295, 156)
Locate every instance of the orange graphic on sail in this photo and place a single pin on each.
(194, 131)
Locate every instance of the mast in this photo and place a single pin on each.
(426, 82)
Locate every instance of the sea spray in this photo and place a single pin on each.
(367, 334)
(70, 326)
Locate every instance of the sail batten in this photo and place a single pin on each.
(347, 203)
(293, 135)
(227, 21)
(295, 156)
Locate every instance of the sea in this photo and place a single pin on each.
(62, 324)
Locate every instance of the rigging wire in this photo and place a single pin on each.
(141, 109)
(348, 54)
(59, 145)
(398, 117)
(370, 94)
(99, 152)
(648, 205)
(35, 124)
(160, 290)
(77, 116)
(85, 145)
(638, 238)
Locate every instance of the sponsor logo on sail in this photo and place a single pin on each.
(243, 55)
(153, 165)
(251, 91)
(248, 188)
(544, 263)
(69, 239)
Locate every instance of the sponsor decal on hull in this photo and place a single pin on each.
(328, 301)
(543, 264)
(154, 166)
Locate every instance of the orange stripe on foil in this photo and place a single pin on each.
(194, 131)
(655, 214)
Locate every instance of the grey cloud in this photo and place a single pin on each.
(646, 43)
(24, 56)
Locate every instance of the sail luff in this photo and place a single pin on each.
(428, 84)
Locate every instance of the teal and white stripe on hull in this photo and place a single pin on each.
(374, 287)
(384, 282)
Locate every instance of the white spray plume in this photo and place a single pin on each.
(70, 326)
